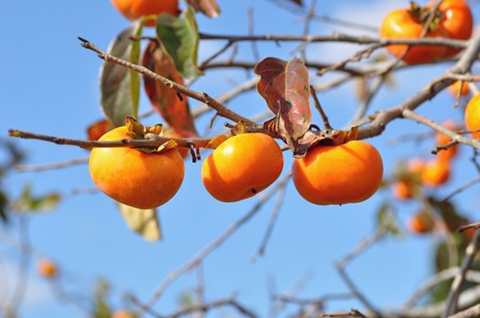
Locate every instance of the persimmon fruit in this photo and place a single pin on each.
(47, 268)
(402, 189)
(133, 177)
(242, 166)
(134, 9)
(347, 173)
(122, 314)
(457, 21)
(442, 140)
(472, 116)
(405, 24)
(455, 89)
(420, 223)
(436, 172)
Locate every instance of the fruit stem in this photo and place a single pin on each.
(326, 123)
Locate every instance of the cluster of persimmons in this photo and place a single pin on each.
(418, 173)
(240, 167)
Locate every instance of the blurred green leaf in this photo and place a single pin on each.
(385, 218)
(144, 222)
(449, 213)
(180, 38)
(120, 87)
(29, 203)
(101, 306)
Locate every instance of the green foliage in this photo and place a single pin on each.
(119, 86)
(386, 218)
(101, 307)
(30, 203)
(180, 38)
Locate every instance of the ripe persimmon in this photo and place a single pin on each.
(436, 172)
(472, 116)
(442, 140)
(242, 166)
(47, 268)
(420, 223)
(407, 24)
(133, 177)
(402, 189)
(416, 165)
(455, 89)
(121, 314)
(347, 173)
(457, 21)
(134, 9)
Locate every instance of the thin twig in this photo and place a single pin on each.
(435, 280)
(461, 189)
(407, 113)
(360, 249)
(51, 166)
(264, 197)
(319, 107)
(203, 97)
(273, 220)
(470, 253)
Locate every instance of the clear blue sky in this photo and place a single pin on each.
(49, 85)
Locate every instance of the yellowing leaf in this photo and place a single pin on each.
(144, 222)
(216, 141)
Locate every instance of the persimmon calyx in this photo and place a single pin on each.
(422, 14)
(330, 137)
(239, 128)
(137, 131)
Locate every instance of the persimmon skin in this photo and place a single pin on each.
(472, 116)
(134, 9)
(402, 190)
(456, 90)
(47, 268)
(242, 166)
(133, 177)
(458, 22)
(399, 24)
(420, 223)
(347, 173)
(436, 172)
(442, 140)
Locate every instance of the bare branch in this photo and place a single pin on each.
(263, 197)
(452, 299)
(203, 97)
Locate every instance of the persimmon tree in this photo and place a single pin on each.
(242, 151)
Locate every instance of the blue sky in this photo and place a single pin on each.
(50, 85)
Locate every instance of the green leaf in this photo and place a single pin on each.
(29, 203)
(172, 108)
(284, 86)
(385, 217)
(180, 38)
(453, 219)
(101, 293)
(119, 86)
(208, 7)
(144, 222)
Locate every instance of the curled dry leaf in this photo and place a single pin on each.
(143, 221)
(208, 7)
(284, 86)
